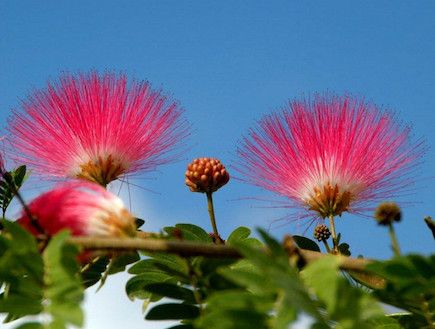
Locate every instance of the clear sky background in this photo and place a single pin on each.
(228, 63)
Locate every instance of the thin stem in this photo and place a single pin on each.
(33, 220)
(194, 283)
(88, 265)
(212, 217)
(326, 246)
(106, 272)
(427, 313)
(334, 236)
(394, 242)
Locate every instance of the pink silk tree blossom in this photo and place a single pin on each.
(84, 208)
(330, 154)
(96, 127)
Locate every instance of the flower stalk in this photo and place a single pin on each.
(328, 250)
(207, 175)
(334, 236)
(212, 218)
(394, 242)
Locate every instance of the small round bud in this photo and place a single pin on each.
(388, 212)
(322, 233)
(206, 175)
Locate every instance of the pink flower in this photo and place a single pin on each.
(84, 208)
(330, 154)
(97, 127)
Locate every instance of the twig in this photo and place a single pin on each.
(186, 248)
(431, 224)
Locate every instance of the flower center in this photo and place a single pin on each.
(330, 201)
(102, 171)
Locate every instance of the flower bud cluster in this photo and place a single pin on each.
(206, 175)
(388, 212)
(322, 233)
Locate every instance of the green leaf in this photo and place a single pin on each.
(305, 243)
(120, 261)
(251, 242)
(344, 249)
(399, 270)
(67, 313)
(19, 175)
(22, 240)
(173, 312)
(57, 324)
(63, 285)
(145, 266)
(93, 272)
(139, 222)
(276, 249)
(10, 184)
(273, 274)
(135, 287)
(385, 322)
(253, 280)
(190, 232)
(169, 266)
(410, 285)
(239, 299)
(171, 291)
(20, 305)
(233, 319)
(31, 325)
(238, 235)
(422, 266)
(322, 276)
(369, 280)
(201, 235)
(285, 313)
(348, 306)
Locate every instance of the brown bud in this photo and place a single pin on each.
(322, 233)
(388, 212)
(206, 175)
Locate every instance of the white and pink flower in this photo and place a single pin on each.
(330, 154)
(84, 208)
(97, 127)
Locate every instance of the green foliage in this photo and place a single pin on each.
(22, 272)
(62, 283)
(410, 285)
(35, 283)
(188, 232)
(344, 249)
(92, 273)
(241, 235)
(187, 281)
(350, 307)
(262, 290)
(10, 184)
(171, 311)
(270, 292)
(305, 243)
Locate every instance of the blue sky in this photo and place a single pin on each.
(228, 63)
